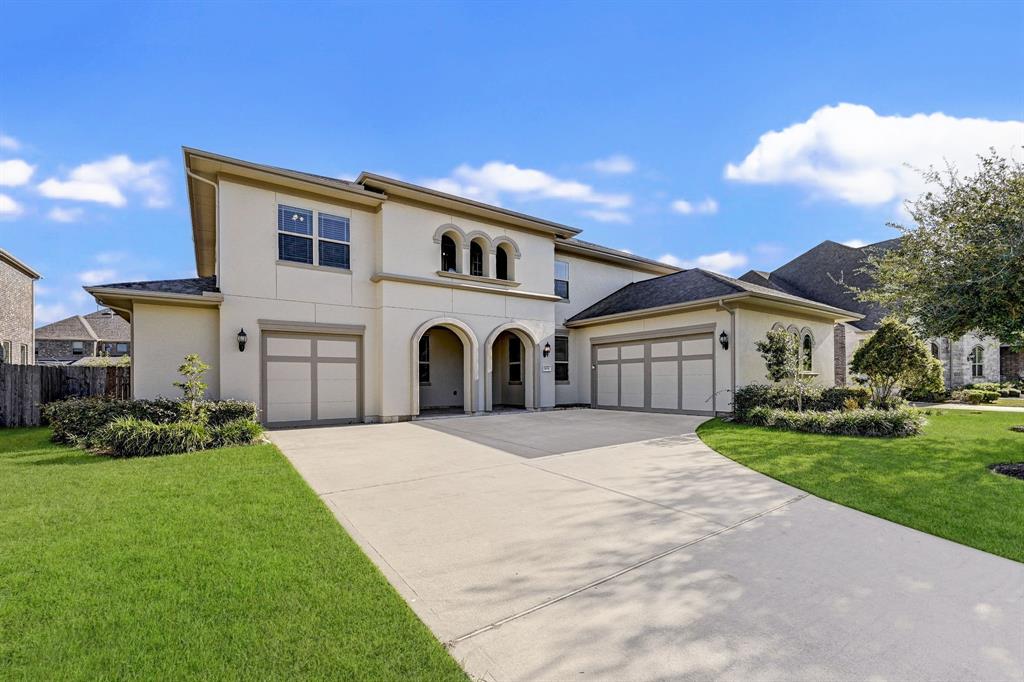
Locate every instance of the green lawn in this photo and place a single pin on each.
(212, 565)
(936, 482)
(1010, 402)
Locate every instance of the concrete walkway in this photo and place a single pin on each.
(567, 545)
(975, 408)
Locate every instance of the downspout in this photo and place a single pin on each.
(216, 199)
(732, 359)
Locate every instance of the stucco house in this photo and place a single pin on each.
(78, 337)
(17, 310)
(327, 301)
(826, 272)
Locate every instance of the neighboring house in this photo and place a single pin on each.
(327, 301)
(826, 272)
(17, 310)
(83, 336)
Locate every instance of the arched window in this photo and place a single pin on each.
(476, 259)
(807, 355)
(449, 255)
(977, 360)
(935, 350)
(501, 262)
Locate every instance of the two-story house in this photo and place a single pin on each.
(17, 310)
(328, 301)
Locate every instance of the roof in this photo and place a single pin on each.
(193, 286)
(109, 326)
(102, 325)
(8, 257)
(825, 273)
(687, 286)
(604, 253)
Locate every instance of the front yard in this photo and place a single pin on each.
(217, 564)
(937, 482)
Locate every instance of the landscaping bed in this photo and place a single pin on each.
(214, 565)
(938, 482)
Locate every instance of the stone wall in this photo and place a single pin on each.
(1011, 364)
(839, 333)
(16, 319)
(62, 350)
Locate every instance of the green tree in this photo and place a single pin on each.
(781, 352)
(960, 267)
(893, 357)
(193, 388)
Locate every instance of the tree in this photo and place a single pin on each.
(894, 356)
(781, 352)
(193, 388)
(961, 266)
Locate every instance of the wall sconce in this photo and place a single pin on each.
(723, 339)
(547, 349)
(242, 338)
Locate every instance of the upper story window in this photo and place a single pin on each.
(122, 348)
(562, 358)
(328, 246)
(501, 262)
(333, 242)
(476, 259)
(562, 279)
(449, 255)
(977, 360)
(77, 348)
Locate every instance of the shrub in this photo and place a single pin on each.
(131, 437)
(1009, 393)
(784, 397)
(895, 423)
(984, 386)
(838, 397)
(235, 432)
(977, 397)
(224, 411)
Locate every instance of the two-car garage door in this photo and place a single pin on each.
(311, 379)
(664, 374)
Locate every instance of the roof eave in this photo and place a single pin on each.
(9, 258)
(634, 262)
(111, 296)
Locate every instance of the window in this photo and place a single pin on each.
(24, 354)
(476, 259)
(425, 359)
(501, 263)
(333, 241)
(122, 348)
(449, 259)
(77, 348)
(562, 358)
(977, 360)
(294, 234)
(5, 352)
(515, 360)
(807, 362)
(562, 279)
(935, 350)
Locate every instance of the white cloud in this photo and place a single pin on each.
(15, 172)
(97, 276)
(107, 181)
(855, 243)
(109, 257)
(9, 143)
(706, 207)
(616, 164)
(51, 312)
(850, 153)
(723, 261)
(608, 216)
(64, 215)
(496, 178)
(9, 208)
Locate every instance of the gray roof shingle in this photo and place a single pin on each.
(193, 286)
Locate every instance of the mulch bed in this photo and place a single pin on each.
(1015, 469)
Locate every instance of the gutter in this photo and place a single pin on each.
(732, 358)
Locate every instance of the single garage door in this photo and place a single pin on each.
(311, 379)
(670, 374)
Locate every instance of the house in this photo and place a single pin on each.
(67, 341)
(328, 301)
(826, 274)
(17, 310)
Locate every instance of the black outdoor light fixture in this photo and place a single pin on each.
(723, 339)
(547, 349)
(242, 338)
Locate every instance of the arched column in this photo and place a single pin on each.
(531, 373)
(470, 351)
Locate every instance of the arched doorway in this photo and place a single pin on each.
(510, 380)
(443, 370)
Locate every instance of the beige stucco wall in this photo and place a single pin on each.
(446, 365)
(162, 336)
(751, 327)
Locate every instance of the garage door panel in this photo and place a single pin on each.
(665, 349)
(289, 412)
(288, 346)
(311, 380)
(632, 352)
(633, 387)
(697, 347)
(698, 384)
(665, 385)
(608, 385)
(607, 354)
(329, 348)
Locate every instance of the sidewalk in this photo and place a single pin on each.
(961, 406)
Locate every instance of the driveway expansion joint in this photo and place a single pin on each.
(600, 581)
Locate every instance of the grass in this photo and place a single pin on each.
(1010, 402)
(937, 482)
(214, 565)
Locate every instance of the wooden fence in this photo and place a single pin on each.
(23, 388)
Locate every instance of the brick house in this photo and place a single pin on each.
(83, 336)
(17, 312)
(825, 273)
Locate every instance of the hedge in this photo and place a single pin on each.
(976, 397)
(896, 423)
(784, 397)
(131, 437)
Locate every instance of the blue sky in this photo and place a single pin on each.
(643, 124)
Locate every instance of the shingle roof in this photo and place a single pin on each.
(73, 328)
(109, 326)
(193, 286)
(823, 274)
(679, 287)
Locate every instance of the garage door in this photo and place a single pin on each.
(311, 379)
(671, 374)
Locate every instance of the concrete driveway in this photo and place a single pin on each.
(588, 544)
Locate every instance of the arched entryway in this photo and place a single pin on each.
(510, 381)
(443, 370)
